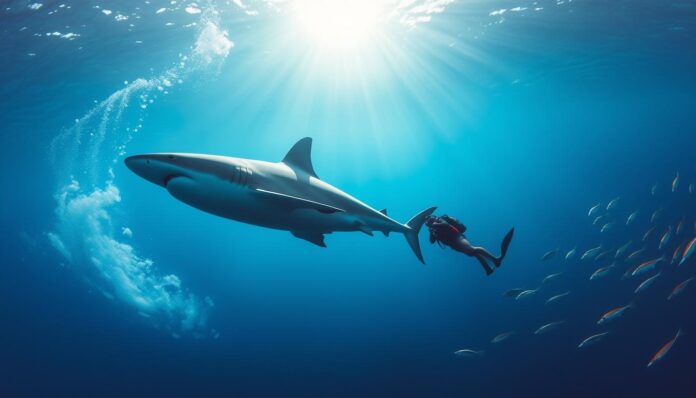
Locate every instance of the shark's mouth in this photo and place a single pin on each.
(169, 178)
(174, 176)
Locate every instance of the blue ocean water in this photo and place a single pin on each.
(502, 113)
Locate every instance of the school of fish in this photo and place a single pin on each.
(650, 260)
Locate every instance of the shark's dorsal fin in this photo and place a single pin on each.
(300, 156)
(383, 211)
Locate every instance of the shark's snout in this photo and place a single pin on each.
(156, 168)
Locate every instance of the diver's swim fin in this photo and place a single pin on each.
(505, 244)
(504, 247)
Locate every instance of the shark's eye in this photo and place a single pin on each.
(171, 157)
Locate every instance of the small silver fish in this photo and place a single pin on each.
(680, 225)
(675, 183)
(549, 327)
(655, 215)
(593, 209)
(597, 220)
(549, 254)
(646, 283)
(601, 272)
(591, 252)
(467, 353)
(635, 254)
(613, 314)
(653, 189)
(679, 288)
(556, 297)
(603, 255)
(571, 253)
(646, 266)
(691, 188)
(631, 217)
(551, 277)
(664, 350)
(526, 293)
(502, 337)
(592, 339)
(689, 249)
(648, 233)
(676, 255)
(622, 249)
(613, 203)
(665, 238)
(606, 227)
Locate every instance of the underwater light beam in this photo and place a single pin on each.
(337, 24)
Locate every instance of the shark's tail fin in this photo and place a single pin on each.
(414, 225)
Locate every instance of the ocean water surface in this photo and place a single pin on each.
(571, 121)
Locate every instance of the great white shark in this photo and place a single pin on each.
(285, 195)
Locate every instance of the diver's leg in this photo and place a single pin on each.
(463, 246)
(480, 251)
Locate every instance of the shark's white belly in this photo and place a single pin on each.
(244, 204)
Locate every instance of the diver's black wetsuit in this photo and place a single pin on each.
(449, 231)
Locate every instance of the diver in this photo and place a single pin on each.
(450, 232)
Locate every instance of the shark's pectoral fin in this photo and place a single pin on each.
(293, 202)
(363, 228)
(314, 237)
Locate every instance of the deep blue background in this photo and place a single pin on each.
(525, 123)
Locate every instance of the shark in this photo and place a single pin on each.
(286, 195)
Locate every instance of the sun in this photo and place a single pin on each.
(338, 24)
